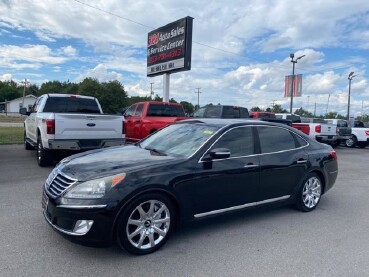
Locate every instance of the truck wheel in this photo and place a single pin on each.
(351, 142)
(362, 144)
(27, 146)
(43, 156)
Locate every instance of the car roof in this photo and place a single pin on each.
(222, 122)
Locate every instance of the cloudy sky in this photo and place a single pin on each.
(240, 51)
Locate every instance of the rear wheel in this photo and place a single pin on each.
(43, 156)
(362, 144)
(27, 146)
(351, 142)
(146, 224)
(310, 193)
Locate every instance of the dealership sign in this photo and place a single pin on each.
(297, 85)
(169, 48)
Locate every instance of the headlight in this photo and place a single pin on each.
(94, 189)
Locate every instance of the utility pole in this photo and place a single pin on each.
(315, 109)
(198, 97)
(25, 84)
(293, 76)
(307, 108)
(151, 91)
(273, 103)
(326, 111)
(350, 76)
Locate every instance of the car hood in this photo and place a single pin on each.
(111, 161)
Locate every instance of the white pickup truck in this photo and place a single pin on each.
(359, 136)
(69, 122)
(318, 129)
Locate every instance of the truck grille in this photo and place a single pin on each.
(59, 184)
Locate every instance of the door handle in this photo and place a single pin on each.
(301, 161)
(250, 165)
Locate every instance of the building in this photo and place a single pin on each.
(13, 106)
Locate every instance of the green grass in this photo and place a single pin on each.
(11, 135)
(12, 119)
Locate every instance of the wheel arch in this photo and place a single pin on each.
(321, 177)
(133, 196)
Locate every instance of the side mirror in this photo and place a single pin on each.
(220, 153)
(23, 111)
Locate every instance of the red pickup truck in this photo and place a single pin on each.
(144, 118)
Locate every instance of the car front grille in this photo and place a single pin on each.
(59, 184)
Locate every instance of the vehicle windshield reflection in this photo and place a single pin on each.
(181, 139)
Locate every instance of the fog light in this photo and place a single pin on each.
(83, 226)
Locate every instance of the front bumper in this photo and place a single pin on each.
(89, 225)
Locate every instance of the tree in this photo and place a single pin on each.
(278, 109)
(113, 98)
(303, 113)
(255, 109)
(51, 87)
(188, 107)
(9, 90)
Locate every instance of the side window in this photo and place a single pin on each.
(274, 139)
(36, 105)
(244, 113)
(130, 110)
(138, 111)
(239, 141)
(300, 141)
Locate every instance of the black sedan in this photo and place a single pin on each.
(137, 194)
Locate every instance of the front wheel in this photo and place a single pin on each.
(310, 193)
(43, 156)
(351, 142)
(27, 146)
(146, 224)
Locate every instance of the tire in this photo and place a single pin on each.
(27, 146)
(362, 144)
(136, 231)
(43, 156)
(310, 193)
(351, 142)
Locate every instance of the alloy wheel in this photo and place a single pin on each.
(148, 224)
(311, 192)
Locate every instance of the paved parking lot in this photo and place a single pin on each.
(331, 241)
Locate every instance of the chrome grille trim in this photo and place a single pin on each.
(59, 184)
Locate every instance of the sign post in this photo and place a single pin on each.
(169, 50)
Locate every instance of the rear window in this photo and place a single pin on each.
(234, 112)
(209, 112)
(342, 123)
(71, 105)
(165, 110)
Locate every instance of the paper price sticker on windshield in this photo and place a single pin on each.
(208, 132)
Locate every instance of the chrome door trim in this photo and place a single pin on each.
(234, 208)
(82, 206)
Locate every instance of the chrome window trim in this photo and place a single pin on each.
(253, 155)
(234, 208)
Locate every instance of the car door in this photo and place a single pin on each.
(31, 121)
(128, 123)
(137, 122)
(283, 162)
(231, 182)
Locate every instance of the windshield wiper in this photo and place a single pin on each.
(156, 151)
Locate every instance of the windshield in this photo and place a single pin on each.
(181, 139)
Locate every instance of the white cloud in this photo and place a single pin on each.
(69, 51)
(101, 73)
(6, 77)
